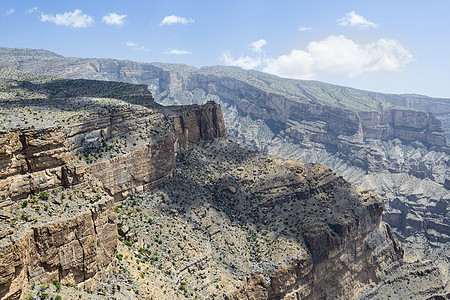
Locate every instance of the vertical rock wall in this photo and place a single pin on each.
(78, 248)
(70, 250)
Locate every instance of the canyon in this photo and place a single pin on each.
(383, 142)
(125, 144)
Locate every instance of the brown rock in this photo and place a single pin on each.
(71, 250)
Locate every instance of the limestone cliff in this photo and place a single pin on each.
(61, 171)
(143, 168)
(239, 224)
(33, 160)
(71, 249)
(136, 143)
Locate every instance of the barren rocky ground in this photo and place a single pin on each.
(402, 158)
(205, 230)
(218, 221)
(200, 235)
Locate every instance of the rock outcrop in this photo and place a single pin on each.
(146, 167)
(342, 275)
(240, 224)
(34, 160)
(196, 123)
(69, 249)
(56, 201)
(399, 153)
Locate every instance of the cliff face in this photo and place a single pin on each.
(137, 171)
(57, 221)
(398, 153)
(195, 124)
(250, 226)
(342, 275)
(395, 123)
(408, 126)
(144, 168)
(438, 106)
(164, 81)
(34, 160)
(245, 225)
(72, 249)
(340, 261)
(344, 251)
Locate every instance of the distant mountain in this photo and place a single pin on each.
(395, 145)
(31, 60)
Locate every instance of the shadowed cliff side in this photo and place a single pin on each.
(325, 237)
(65, 159)
(379, 141)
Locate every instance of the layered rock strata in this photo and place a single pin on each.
(372, 139)
(240, 224)
(70, 249)
(34, 160)
(376, 146)
(57, 220)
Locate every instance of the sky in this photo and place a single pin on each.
(392, 46)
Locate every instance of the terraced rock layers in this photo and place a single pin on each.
(58, 183)
(236, 223)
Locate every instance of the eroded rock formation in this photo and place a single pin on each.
(372, 139)
(69, 249)
(57, 220)
(250, 226)
(136, 146)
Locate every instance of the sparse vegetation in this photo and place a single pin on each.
(227, 212)
(43, 195)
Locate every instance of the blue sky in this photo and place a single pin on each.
(387, 46)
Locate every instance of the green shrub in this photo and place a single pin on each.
(43, 296)
(57, 284)
(43, 195)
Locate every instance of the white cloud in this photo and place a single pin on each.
(353, 19)
(136, 46)
(243, 62)
(177, 52)
(31, 10)
(10, 11)
(256, 46)
(304, 28)
(247, 62)
(170, 20)
(74, 19)
(338, 54)
(114, 19)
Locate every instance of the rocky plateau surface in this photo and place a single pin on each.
(380, 141)
(66, 155)
(235, 223)
(368, 138)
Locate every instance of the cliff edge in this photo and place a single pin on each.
(65, 160)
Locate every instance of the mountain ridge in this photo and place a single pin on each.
(99, 192)
(217, 70)
(399, 153)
